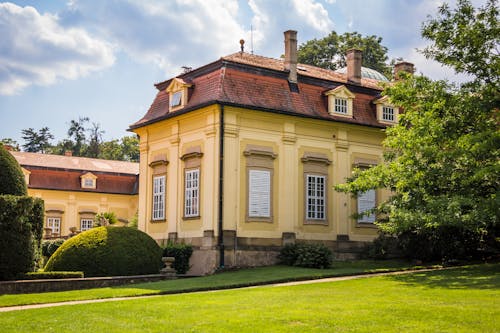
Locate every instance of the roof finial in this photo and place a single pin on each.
(242, 45)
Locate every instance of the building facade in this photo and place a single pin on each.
(75, 189)
(239, 157)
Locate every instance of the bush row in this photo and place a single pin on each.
(313, 255)
(52, 275)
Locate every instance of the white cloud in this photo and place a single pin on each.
(314, 14)
(167, 33)
(36, 49)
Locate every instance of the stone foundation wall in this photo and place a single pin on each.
(255, 251)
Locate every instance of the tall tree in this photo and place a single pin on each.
(95, 140)
(329, 52)
(442, 159)
(36, 141)
(76, 132)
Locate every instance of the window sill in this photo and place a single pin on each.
(368, 225)
(190, 218)
(316, 222)
(158, 221)
(250, 219)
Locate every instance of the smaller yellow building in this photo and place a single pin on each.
(75, 189)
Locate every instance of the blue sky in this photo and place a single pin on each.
(61, 60)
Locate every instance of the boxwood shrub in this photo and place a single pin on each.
(49, 246)
(21, 227)
(52, 275)
(312, 255)
(181, 253)
(108, 251)
(11, 178)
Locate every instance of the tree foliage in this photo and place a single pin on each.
(442, 159)
(11, 176)
(36, 141)
(329, 52)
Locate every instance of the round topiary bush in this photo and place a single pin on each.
(11, 176)
(108, 251)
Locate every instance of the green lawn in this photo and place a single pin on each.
(239, 278)
(457, 300)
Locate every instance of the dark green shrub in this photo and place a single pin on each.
(108, 251)
(52, 275)
(313, 255)
(21, 223)
(441, 243)
(50, 246)
(288, 254)
(11, 177)
(181, 253)
(383, 246)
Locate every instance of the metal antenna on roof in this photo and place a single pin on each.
(251, 38)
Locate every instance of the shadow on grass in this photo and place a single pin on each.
(485, 276)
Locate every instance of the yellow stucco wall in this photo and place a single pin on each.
(290, 138)
(71, 206)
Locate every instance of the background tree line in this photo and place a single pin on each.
(84, 139)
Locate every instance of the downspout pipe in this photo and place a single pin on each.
(220, 242)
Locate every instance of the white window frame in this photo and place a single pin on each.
(315, 189)
(86, 224)
(54, 223)
(341, 105)
(362, 206)
(388, 113)
(88, 182)
(158, 212)
(176, 99)
(259, 194)
(192, 193)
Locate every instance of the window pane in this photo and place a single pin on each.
(366, 201)
(259, 193)
(159, 198)
(315, 199)
(191, 193)
(176, 99)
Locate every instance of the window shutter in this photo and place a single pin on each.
(366, 201)
(259, 204)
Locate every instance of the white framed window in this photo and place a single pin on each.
(175, 99)
(315, 197)
(158, 198)
(86, 224)
(341, 105)
(54, 223)
(192, 193)
(366, 202)
(88, 182)
(388, 113)
(259, 193)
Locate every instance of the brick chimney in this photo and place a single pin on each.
(291, 55)
(403, 66)
(354, 59)
(68, 153)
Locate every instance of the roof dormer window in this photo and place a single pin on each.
(386, 112)
(340, 102)
(88, 180)
(178, 93)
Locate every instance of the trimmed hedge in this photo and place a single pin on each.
(181, 253)
(21, 227)
(11, 176)
(312, 255)
(52, 275)
(108, 251)
(50, 246)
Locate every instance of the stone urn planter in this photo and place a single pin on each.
(168, 270)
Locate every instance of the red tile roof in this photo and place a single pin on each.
(258, 82)
(55, 172)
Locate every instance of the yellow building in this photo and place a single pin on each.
(75, 189)
(240, 156)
